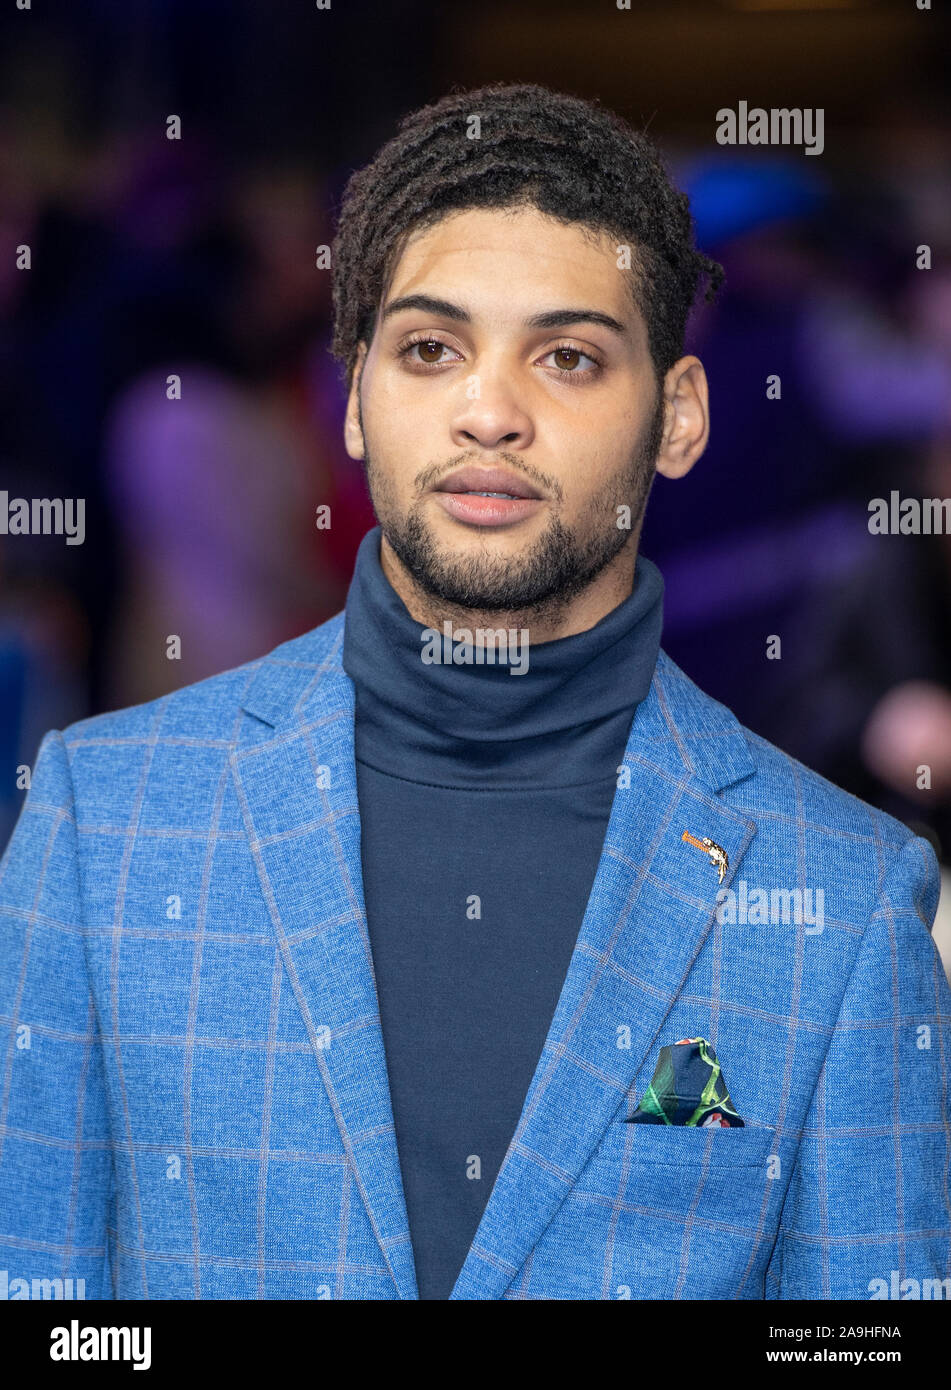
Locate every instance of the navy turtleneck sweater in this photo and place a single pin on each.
(484, 799)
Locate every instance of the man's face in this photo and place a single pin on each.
(507, 340)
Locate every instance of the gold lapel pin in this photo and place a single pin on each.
(718, 855)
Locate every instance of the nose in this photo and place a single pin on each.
(491, 415)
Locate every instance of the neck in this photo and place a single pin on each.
(545, 622)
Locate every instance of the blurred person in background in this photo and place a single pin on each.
(216, 501)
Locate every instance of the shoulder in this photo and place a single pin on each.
(793, 806)
(207, 710)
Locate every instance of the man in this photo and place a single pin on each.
(462, 947)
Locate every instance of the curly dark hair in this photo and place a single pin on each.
(570, 158)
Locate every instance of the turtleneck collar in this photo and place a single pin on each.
(478, 725)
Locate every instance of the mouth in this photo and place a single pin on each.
(487, 496)
(488, 482)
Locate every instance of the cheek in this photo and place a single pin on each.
(601, 458)
(601, 429)
(602, 481)
(400, 438)
(392, 405)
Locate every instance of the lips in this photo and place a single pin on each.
(473, 479)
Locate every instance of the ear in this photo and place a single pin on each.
(352, 433)
(687, 417)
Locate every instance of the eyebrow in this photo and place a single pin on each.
(551, 318)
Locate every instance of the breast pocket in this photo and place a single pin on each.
(687, 1212)
(691, 1145)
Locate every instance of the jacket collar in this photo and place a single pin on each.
(651, 905)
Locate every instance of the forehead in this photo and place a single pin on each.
(513, 258)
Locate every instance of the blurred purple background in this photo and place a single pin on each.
(196, 257)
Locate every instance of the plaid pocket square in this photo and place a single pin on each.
(687, 1088)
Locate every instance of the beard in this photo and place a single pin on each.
(540, 581)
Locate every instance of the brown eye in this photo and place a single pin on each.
(567, 357)
(567, 360)
(427, 348)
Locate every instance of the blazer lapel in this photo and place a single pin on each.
(295, 778)
(651, 905)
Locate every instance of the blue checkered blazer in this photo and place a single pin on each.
(194, 1098)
